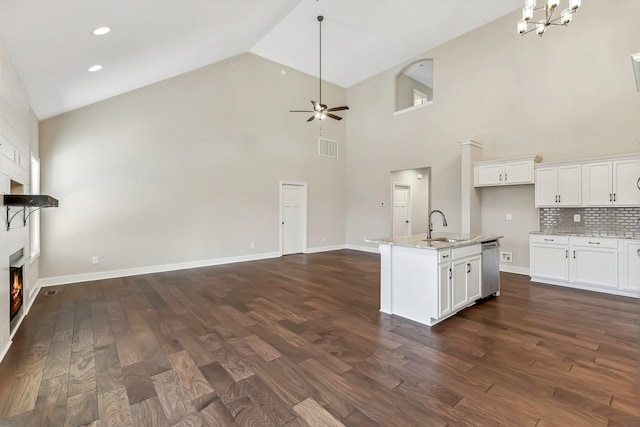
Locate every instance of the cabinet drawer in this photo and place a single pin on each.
(549, 239)
(595, 242)
(444, 256)
(466, 251)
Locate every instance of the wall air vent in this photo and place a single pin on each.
(327, 148)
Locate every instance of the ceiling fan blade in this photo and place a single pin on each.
(301, 111)
(338, 108)
(311, 118)
(333, 116)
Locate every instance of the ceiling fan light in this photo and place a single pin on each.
(322, 116)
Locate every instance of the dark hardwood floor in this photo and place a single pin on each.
(299, 341)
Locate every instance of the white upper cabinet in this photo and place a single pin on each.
(558, 186)
(505, 172)
(612, 183)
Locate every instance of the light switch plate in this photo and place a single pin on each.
(509, 217)
(576, 218)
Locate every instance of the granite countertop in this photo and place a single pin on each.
(418, 240)
(632, 236)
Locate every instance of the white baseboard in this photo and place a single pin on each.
(514, 269)
(324, 249)
(611, 291)
(5, 350)
(113, 274)
(373, 250)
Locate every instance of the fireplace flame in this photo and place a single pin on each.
(16, 290)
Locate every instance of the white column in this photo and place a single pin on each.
(470, 204)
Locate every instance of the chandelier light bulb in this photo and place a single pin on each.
(565, 18)
(574, 4)
(522, 26)
(530, 3)
(527, 13)
(552, 4)
(540, 29)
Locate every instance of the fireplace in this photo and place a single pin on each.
(16, 284)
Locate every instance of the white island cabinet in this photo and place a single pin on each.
(430, 281)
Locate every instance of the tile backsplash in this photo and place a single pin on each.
(616, 221)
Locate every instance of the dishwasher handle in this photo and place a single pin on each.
(490, 245)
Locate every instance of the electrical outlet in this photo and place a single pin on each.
(576, 218)
(94, 260)
(505, 256)
(509, 217)
(253, 245)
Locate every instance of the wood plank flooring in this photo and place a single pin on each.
(299, 341)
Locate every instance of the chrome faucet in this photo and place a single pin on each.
(444, 222)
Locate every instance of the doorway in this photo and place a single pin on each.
(293, 217)
(401, 210)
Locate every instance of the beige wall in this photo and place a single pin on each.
(569, 94)
(188, 169)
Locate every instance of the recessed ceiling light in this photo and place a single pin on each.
(101, 31)
(95, 68)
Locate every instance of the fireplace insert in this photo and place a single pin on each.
(15, 291)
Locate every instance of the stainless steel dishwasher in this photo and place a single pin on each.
(490, 268)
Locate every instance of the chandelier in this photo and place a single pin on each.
(549, 7)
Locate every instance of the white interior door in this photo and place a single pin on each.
(293, 209)
(401, 210)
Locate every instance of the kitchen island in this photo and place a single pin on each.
(430, 280)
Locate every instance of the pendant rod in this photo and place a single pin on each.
(320, 18)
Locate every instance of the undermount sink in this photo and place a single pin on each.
(443, 239)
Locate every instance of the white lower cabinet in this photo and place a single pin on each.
(444, 289)
(465, 283)
(549, 256)
(592, 263)
(630, 266)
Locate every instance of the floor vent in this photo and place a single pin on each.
(56, 292)
(327, 148)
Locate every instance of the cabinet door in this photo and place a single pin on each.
(474, 277)
(631, 267)
(626, 174)
(490, 174)
(549, 261)
(518, 172)
(570, 185)
(459, 283)
(444, 290)
(592, 266)
(598, 184)
(546, 186)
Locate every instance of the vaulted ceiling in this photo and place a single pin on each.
(52, 45)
